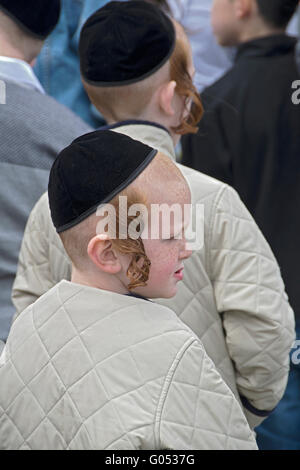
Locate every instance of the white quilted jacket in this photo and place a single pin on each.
(232, 295)
(90, 369)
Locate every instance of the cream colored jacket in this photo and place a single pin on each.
(87, 369)
(232, 295)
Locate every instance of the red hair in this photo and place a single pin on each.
(185, 87)
(139, 267)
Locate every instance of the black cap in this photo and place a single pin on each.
(36, 17)
(125, 42)
(91, 171)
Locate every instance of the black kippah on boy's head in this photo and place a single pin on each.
(36, 17)
(91, 171)
(125, 42)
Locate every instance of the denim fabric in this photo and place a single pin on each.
(281, 431)
(57, 66)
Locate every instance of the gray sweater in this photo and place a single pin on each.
(33, 129)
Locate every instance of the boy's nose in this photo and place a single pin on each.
(185, 254)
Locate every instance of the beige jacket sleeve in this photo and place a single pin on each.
(43, 261)
(197, 410)
(249, 291)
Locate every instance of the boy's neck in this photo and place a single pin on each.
(94, 280)
(11, 52)
(258, 31)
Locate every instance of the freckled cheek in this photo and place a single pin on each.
(166, 265)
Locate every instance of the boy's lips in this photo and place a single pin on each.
(179, 274)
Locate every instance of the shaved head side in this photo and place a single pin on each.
(76, 240)
(277, 13)
(163, 171)
(160, 182)
(127, 101)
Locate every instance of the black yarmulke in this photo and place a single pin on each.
(125, 42)
(91, 171)
(36, 17)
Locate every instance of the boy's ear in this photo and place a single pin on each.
(101, 253)
(243, 7)
(166, 96)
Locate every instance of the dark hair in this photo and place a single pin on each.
(277, 12)
(162, 4)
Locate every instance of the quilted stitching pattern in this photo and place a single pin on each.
(76, 377)
(250, 277)
(234, 277)
(202, 398)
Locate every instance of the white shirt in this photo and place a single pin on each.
(18, 71)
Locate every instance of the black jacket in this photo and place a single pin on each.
(250, 138)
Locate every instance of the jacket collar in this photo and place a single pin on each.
(94, 293)
(275, 45)
(149, 133)
(137, 296)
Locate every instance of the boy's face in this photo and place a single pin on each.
(168, 252)
(223, 21)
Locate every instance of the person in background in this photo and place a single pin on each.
(34, 128)
(57, 66)
(249, 138)
(211, 59)
(232, 282)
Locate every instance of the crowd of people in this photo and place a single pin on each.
(142, 342)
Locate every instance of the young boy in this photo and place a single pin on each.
(232, 281)
(93, 364)
(250, 138)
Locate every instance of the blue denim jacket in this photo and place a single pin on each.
(57, 66)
